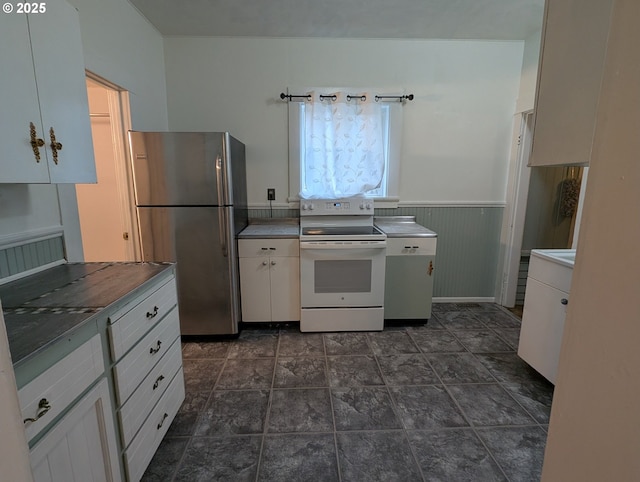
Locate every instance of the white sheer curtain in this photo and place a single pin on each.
(344, 146)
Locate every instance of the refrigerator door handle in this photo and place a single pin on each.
(222, 229)
(222, 218)
(219, 180)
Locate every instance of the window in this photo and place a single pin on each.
(341, 147)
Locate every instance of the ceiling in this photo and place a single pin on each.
(401, 19)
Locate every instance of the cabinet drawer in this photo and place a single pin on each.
(411, 246)
(136, 365)
(549, 272)
(60, 385)
(250, 248)
(130, 323)
(146, 442)
(134, 412)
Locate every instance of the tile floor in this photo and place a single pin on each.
(445, 401)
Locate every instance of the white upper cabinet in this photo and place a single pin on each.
(44, 87)
(574, 41)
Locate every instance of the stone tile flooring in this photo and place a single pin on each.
(445, 401)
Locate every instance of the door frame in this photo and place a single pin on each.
(120, 115)
(515, 211)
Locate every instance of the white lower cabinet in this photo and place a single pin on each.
(75, 432)
(52, 392)
(145, 346)
(82, 446)
(544, 312)
(542, 328)
(269, 279)
(144, 445)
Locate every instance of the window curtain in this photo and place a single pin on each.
(344, 148)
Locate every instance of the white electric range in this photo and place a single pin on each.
(342, 266)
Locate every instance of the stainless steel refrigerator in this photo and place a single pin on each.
(191, 196)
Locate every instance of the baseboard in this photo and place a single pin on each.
(465, 299)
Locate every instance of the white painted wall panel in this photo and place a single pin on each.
(121, 46)
(457, 132)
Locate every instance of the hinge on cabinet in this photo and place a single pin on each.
(430, 268)
(125, 236)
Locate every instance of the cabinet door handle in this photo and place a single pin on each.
(55, 145)
(273, 263)
(164, 417)
(43, 407)
(564, 301)
(264, 263)
(36, 143)
(157, 382)
(157, 349)
(152, 314)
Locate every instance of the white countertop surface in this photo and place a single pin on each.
(271, 228)
(402, 227)
(565, 257)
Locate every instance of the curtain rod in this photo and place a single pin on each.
(333, 97)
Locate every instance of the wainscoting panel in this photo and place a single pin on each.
(468, 245)
(276, 213)
(31, 255)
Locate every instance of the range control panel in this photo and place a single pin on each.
(320, 207)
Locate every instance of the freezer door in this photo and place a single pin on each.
(179, 168)
(199, 240)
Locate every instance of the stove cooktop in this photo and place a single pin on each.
(340, 231)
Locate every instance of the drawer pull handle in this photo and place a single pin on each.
(43, 407)
(158, 380)
(164, 417)
(153, 350)
(152, 314)
(564, 301)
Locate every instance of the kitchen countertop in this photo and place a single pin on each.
(271, 228)
(45, 307)
(402, 227)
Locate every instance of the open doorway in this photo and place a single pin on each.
(108, 222)
(542, 212)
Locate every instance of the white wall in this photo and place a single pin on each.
(121, 46)
(456, 132)
(529, 73)
(594, 431)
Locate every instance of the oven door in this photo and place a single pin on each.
(342, 274)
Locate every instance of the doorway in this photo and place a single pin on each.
(542, 212)
(108, 221)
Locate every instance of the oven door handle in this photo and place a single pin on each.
(334, 247)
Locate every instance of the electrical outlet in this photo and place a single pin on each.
(271, 194)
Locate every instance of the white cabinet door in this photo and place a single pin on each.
(19, 101)
(285, 288)
(255, 289)
(45, 85)
(60, 77)
(82, 446)
(542, 327)
(569, 78)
